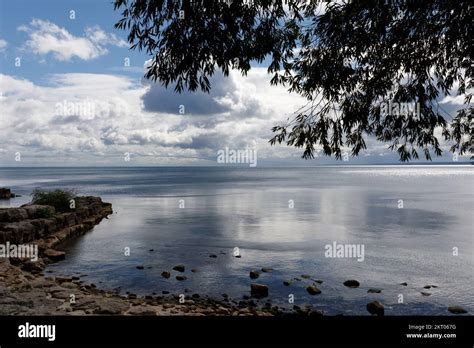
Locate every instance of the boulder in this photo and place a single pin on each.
(374, 291)
(179, 268)
(375, 308)
(352, 283)
(258, 290)
(54, 255)
(5, 193)
(254, 274)
(313, 290)
(457, 310)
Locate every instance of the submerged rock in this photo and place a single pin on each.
(376, 308)
(374, 291)
(457, 310)
(179, 268)
(351, 283)
(313, 290)
(254, 274)
(179, 277)
(259, 290)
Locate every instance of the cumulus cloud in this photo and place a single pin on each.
(103, 116)
(3, 45)
(79, 118)
(225, 98)
(45, 37)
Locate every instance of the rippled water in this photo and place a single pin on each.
(249, 208)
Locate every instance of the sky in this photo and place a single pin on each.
(73, 93)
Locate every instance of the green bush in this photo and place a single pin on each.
(44, 213)
(59, 199)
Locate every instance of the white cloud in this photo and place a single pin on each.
(47, 38)
(96, 118)
(3, 45)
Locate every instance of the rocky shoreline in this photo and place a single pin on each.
(25, 290)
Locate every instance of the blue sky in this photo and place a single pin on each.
(73, 102)
(88, 13)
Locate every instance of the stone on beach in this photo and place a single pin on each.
(254, 274)
(313, 290)
(258, 290)
(179, 268)
(376, 308)
(374, 291)
(457, 310)
(351, 283)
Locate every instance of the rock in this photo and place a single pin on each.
(140, 267)
(179, 268)
(54, 255)
(238, 256)
(305, 276)
(151, 250)
(318, 281)
(313, 290)
(266, 269)
(179, 277)
(376, 308)
(164, 292)
(166, 274)
(213, 256)
(286, 283)
(254, 274)
(457, 310)
(427, 287)
(374, 291)
(425, 293)
(258, 290)
(5, 193)
(352, 283)
(404, 284)
(111, 307)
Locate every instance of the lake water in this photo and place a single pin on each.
(281, 218)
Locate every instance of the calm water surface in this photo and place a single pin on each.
(249, 208)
